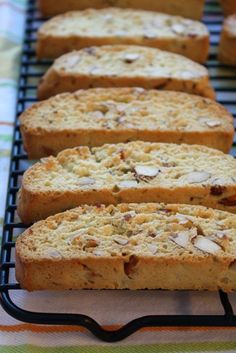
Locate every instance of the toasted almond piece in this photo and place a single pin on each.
(97, 114)
(120, 240)
(98, 252)
(178, 28)
(221, 234)
(152, 248)
(186, 74)
(213, 123)
(72, 60)
(128, 184)
(131, 57)
(86, 181)
(50, 252)
(181, 218)
(206, 245)
(198, 177)
(181, 238)
(144, 170)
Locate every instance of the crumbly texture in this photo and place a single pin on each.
(227, 46)
(132, 246)
(186, 8)
(110, 115)
(133, 172)
(124, 66)
(81, 29)
(229, 6)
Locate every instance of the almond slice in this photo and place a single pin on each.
(221, 234)
(178, 28)
(206, 245)
(146, 171)
(86, 181)
(98, 252)
(213, 123)
(152, 248)
(198, 177)
(128, 184)
(131, 57)
(120, 240)
(181, 238)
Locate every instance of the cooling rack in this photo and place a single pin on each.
(223, 80)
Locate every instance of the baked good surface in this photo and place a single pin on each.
(133, 172)
(186, 8)
(110, 115)
(227, 46)
(132, 246)
(81, 29)
(229, 6)
(124, 66)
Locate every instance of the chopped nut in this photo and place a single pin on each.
(90, 243)
(131, 57)
(178, 28)
(53, 253)
(86, 181)
(186, 74)
(139, 89)
(206, 245)
(213, 123)
(72, 60)
(98, 252)
(221, 234)
(97, 114)
(181, 238)
(146, 171)
(198, 177)
(128, 184)
(120, 240)
(153, 248)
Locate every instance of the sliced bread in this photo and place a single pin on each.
(124, 66)
(81, 29)
(110, 115)
(133, 172)
(132, 246)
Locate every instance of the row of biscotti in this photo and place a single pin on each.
(186, 8)
(130, 246)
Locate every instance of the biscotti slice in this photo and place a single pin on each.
(110, 115)
(186, 8)
(229, 6)
(132, 246)
(227, 47)
(124, 66)
(81, 29)
(133, 172)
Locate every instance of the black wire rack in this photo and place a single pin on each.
(224, 81)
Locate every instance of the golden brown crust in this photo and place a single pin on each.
(77, 30)
(97, 116)
(227, 46)
(132, 246)
(132, 66)
(186, 8)
(133, 172)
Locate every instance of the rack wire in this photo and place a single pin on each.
(223, 80)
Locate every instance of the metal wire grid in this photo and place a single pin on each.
(224, 81)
